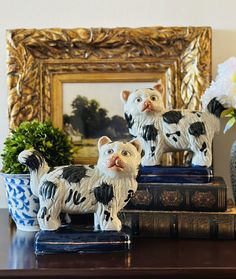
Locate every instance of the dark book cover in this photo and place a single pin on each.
(181, 224)
(77, 239)
(181, 196)
(174, 174)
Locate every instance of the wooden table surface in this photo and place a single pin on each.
(148, 258)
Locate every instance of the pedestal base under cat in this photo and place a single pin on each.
(79, 240)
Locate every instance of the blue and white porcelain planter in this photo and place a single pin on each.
(22, 204)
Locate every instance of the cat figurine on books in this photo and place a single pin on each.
(160, 130)
(103, 189)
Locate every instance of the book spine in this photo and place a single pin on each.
(175, 174)
(177, 178)
(180, 225)
(179, 197)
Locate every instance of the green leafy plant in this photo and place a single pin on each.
(53, 143)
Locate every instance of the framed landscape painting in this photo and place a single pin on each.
(92, 108)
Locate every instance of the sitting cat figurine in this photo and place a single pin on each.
(160, 130)
(103, 189)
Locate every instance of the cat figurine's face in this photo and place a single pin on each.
(143, 102)
(118, 159)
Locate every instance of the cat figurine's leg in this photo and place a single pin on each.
(50, 200)
(202, 153)
(107, 218)
(48, 219)
(65, 218)
(96, 222)
(153, 151)
(149, 139)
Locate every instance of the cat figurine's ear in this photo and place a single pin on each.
(125, 95)
(136, 143)
(103, 140)
(159, 87)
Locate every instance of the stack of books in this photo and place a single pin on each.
(180, 202)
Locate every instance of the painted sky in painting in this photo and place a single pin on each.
(107, 94)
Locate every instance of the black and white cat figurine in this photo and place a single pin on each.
(160, 130)
(103, 189)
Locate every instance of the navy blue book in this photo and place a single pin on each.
(210, 196)
(74, 239)
(175, 174)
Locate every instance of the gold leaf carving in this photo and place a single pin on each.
(183, 54)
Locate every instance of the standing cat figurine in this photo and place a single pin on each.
(104, 189)
(160, 130)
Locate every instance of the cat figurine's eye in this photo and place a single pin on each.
(110, 151)
(154, 98)
(125, 153)
(138, 100)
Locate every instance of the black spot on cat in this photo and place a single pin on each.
(142, 153)
(48, 190)
(34, 161)
(198, 113)
(69, 196)
(204, 146)
(48, 217)
(91, 166)
(153, 148)
(130, 195)
(73, 174)
(149, 132)
(172, 117)
(104, 193)
(177, 133)
(43, 212)
(76, 198)
(215, 107)
(129, 120)
(107, 215)
(197, 129)
(83, 199)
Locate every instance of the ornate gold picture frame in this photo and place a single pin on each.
(41, 60)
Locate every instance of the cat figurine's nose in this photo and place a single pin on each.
(115, 160)
(115, 157)
(147, 105)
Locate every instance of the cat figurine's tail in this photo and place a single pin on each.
(215, 107)
(37, 165)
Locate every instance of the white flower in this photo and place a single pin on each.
(224, 86)
(228, 68)
(224, 90)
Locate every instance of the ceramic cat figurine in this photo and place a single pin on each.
(160, 130)
(104, 189)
